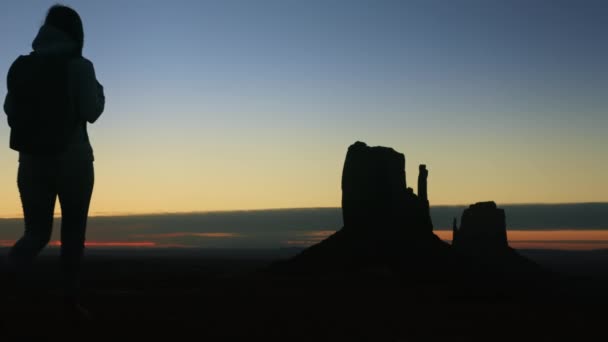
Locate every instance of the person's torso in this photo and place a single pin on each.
(79, 146)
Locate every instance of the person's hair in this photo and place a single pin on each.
(67, 20)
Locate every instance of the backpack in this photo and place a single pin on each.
(44, 118)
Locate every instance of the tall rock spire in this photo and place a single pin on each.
(423, 196)
(422, 187)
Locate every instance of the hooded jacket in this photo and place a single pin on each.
(84, 89)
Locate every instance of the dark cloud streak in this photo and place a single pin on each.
(282, 227)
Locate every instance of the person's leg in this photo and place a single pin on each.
(38, 194)
(75, 189)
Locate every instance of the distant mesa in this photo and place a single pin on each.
(482, 229)
(375, 196)
(481, 241)
(388, 231)
(385, 223)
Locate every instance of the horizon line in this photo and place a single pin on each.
(198, 212)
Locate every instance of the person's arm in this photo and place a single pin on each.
(8, 107)
(9, 102)
(89, 92)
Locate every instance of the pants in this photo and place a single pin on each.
(40, 182)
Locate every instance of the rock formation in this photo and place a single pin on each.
(373, 186)
(481, 242)
(423, 197)
(422, 186)
(375, 197)
(385, 223)
(388, 227)
(482, 228)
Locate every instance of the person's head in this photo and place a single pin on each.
(67, 20)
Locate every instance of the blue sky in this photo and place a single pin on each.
(503, 100)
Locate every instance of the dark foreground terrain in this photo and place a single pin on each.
(216, 295)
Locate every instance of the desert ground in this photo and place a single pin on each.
(222, 295)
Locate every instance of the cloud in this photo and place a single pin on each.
(551, 239)
(303, 227)
(181, 234)
(577, 216)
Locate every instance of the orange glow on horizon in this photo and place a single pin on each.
(310, 238)
(320, 233)
(518, 239)
(180, 234)
(10, 243)
(550, 239)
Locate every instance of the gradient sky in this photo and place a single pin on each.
(220, 105)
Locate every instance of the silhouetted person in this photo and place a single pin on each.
(52, 94)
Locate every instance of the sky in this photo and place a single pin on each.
(230, 105)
